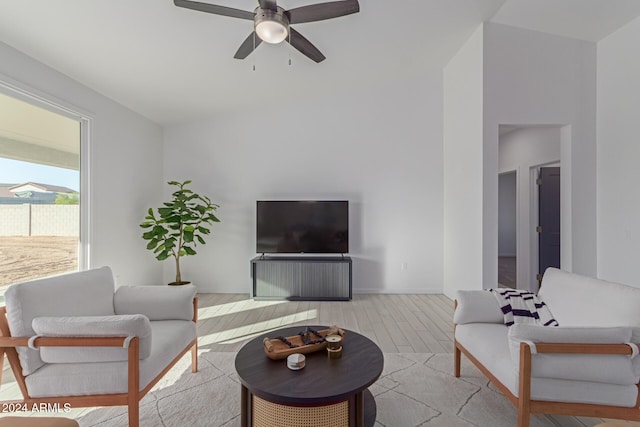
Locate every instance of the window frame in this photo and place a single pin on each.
(25, 93)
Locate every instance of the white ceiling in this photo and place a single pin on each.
(175, 65)
(590, 20)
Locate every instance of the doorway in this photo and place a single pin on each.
(523, 150)
(548, 228)
(507, 229)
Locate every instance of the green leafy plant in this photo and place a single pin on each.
(179, 226)
(67, 199)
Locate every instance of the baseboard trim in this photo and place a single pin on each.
(355, 291)
(398, 291)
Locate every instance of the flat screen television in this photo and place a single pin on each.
(302, 226)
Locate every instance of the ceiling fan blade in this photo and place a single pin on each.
(269, 5)
(305, 47)
(321, 11)
(248, 45)
(215, 9)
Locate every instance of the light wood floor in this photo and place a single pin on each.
(507, 271)
(397, 323)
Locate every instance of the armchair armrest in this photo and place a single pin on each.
(583, 348)
(91, 326)
(131, 346)
(156, 302)
(13, 342)
(477, 307)
(595, 354)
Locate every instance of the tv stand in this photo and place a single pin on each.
(302, 278)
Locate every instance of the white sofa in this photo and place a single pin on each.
(77, 340)
(583, 367)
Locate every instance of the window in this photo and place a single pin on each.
(40, 189)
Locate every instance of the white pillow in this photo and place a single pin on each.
(611, 369)
(156, 302)
(92, 326)
(477, 307)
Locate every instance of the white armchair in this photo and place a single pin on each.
(586, 366)
(71, 339)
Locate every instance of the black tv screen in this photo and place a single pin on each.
(302, 226)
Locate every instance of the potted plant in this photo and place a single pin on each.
(179, 226)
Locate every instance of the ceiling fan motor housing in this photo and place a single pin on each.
(270, 26)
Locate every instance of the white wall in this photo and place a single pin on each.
(618, 154)
(523, 150)
(380, 148)
(125, 166)
(536, 78)
(463, 98)
(507, 201)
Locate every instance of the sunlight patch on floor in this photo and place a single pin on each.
(233, 307)
(234, 335)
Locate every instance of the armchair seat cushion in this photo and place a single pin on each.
(170, 338)
(92, 326)
(156, 302)
(488, 343)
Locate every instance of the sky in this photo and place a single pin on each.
(17, 172)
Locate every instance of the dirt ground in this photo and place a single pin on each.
(29, 257)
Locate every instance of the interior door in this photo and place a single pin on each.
(548, 219)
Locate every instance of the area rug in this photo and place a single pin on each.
(415, 389)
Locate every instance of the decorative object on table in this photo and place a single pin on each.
(334, 341)
(180, 225)
(334, 353)
(296, 361)
(304, 342)
(334, 346)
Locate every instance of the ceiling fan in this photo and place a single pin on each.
(272, 23)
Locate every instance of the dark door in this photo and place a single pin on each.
(548, 219)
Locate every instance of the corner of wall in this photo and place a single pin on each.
(462, 158)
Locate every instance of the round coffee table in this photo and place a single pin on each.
(329, 391)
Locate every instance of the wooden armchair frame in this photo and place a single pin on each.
(523, 401)
(133, 395)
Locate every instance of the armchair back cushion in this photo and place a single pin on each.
(86, 293)
(156, 302)
(93, 326)
(578, 300)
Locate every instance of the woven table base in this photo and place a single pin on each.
(268, 414)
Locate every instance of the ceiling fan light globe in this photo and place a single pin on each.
(271, 32)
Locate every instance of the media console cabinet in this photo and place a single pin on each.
(302, 278)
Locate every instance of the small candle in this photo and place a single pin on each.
(334, 341)
(334, 354)
(296, 361)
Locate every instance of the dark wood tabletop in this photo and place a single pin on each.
(321, 381)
